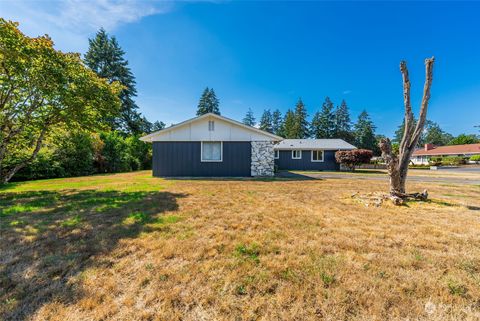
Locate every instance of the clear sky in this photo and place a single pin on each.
(268, 54)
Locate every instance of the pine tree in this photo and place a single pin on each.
(277, 122)
(158, 125)
(323, 122)
(249, 118)
(288, 128)
(208, 103)
(266, 121)
(106, 58)
(300, 130)
(342, 125)
(365, 132)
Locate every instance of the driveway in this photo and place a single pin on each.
(442, 176)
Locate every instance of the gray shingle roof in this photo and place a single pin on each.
(334, 144)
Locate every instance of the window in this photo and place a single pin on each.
(296, 154)
(211, 125)
(277, 154)
(211, 151)
(317, 155)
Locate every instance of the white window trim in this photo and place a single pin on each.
(297, 150)
(276, 154)
(213, 160)
(317, 161)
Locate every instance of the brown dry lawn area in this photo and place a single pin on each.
(133, 247)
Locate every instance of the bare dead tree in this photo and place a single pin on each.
(397, 165)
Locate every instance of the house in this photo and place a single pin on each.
(212, 145)
(309, 154)
(422, 156)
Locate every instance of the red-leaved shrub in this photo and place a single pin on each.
(354, 157)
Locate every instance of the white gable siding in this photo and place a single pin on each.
(198, 131)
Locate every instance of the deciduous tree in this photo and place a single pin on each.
(42, 89)
(397, 165)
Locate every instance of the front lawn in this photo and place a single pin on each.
(132, 247)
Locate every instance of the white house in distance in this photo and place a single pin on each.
(423, 155)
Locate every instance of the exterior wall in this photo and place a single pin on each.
(420, 160)
(262, 159)
(286, 162)
(199, 131)
(184, 159)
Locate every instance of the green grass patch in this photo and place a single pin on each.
(248, 252)
(72, 221)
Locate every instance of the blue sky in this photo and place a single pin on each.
(268, 54)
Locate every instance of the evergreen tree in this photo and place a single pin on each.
(208, 103)
(249, 119)
(266, 121)
(158, 125)
(323, 122)
(300, 129)
(342, 125)
(106, 58)
(435, 135)
(288, 128)
(277, 122)
(365, 132)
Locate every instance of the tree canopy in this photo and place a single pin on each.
(266, 121)
(249, 118)
(208, 103)
(106, 58)
(42, 89)
(300, 128)
(323, 122)
(365, 132)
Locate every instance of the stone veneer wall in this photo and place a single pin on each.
(262, 158)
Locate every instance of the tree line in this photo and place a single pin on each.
(328, 122)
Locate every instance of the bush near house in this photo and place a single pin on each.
(352, 158)
(475, 158)
(448, 160)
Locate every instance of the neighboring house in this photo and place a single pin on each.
(309, 154)
(212, 145)
(423, 155)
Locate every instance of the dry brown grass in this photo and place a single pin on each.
(236, 250)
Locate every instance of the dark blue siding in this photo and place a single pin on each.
(286, 162)
(183, 159)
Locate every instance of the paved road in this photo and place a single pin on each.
(412, 176)
(469, 169)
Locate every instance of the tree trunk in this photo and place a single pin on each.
(7, 176)
(397, 165)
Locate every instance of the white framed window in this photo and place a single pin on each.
(211, 125)
(296, 154)
(317, 155)
(276, 154)
(211, 152)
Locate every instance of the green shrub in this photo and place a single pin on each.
(115, 153)
(45, 165)
(454, 160)
(75, 154)
(475, 158)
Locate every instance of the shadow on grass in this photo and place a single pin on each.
(47, 237)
